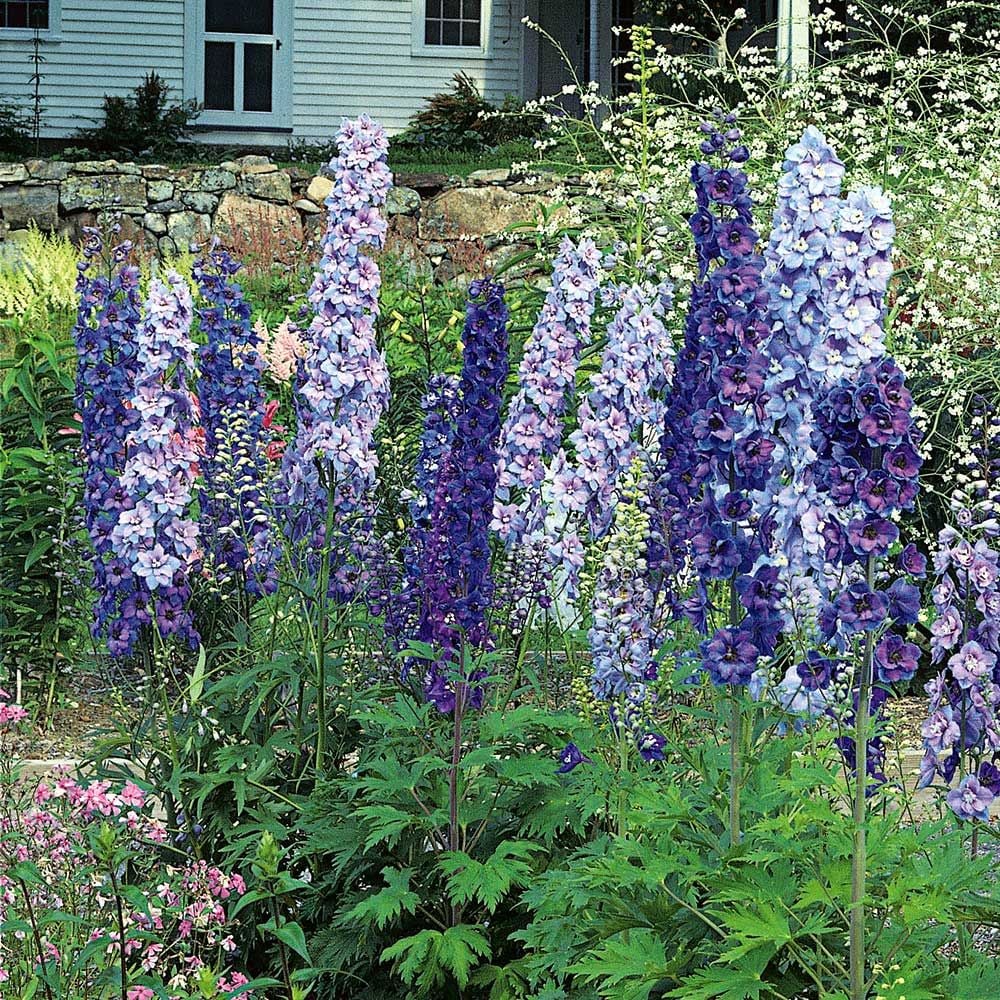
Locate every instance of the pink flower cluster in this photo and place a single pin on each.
(89, 852)
(10, 714)
(282, 349)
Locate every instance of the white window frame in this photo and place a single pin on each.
(454, 52)
(50, 34)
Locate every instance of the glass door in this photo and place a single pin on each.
(243, 66)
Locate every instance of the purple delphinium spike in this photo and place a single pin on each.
(344, 385)
(962, 730)
(155, 536)
(447, 590)
(234, 521)
(715, 456)
(107, 362)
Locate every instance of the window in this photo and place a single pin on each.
(453, 22)
(27, 14)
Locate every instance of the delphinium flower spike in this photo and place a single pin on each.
(344, 388)
(234, 520)
(155, 536)
(448, 591)
(533, 429)
(105, 334)
(962, 730)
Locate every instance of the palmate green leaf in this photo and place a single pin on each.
(761, 929)
(722, 982)
(976, 982)
(489, 881)
(388, 903)
(426, 958)
(626, 966)
(386, 824)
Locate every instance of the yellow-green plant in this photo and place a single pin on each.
(39, 275)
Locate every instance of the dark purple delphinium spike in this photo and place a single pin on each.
(714, 453)
(235, 523)
(448, 588)
(105, 334)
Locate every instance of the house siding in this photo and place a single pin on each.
(349, 57)
(353, 56)
(100, 47)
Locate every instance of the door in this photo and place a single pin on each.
(567, 25)
(240, 53)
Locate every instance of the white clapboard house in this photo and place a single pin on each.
(267, 71)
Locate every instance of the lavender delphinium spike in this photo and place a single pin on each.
(962, 730)
(233, 515)
(155, 536)
(107, 363)
(533, 431)
(344, 385)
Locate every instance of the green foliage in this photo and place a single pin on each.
(40, 489)
(144, 123)
(37, 277)
(398, 903)
(671, 912)
(15, 130)
(463, 120)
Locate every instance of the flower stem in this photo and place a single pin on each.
(735, 775)
(859, 858)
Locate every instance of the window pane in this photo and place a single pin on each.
(472, 10)
(38, 14)
(450, 34)
(470, 33)
(453, 9)
(220, 65)
(17, 15)
(434, 8)
(432, 32)
(241, 17)
(257, 66)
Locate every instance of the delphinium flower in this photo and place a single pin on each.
(797, 279)
(105, 334)
(621, 416)
(344, 390)
(866, 472)
(155, 538)
(233, 518)
(533, 429)
(962, 731)
(448, 590)
(714, 455)
(621, 637)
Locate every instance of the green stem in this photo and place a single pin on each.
(735, 769)
(859, 859)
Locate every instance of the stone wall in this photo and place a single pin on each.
(251, 205)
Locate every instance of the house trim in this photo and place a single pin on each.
(420, 49)
(50, 34)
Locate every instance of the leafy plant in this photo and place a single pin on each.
(462, 119)
(397, 905)
(39, 493)
(15, 130)
(144, 122)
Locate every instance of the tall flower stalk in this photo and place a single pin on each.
(714, 454)
(343, 391)
(240, 549)
(105, 333)
(156, 537)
